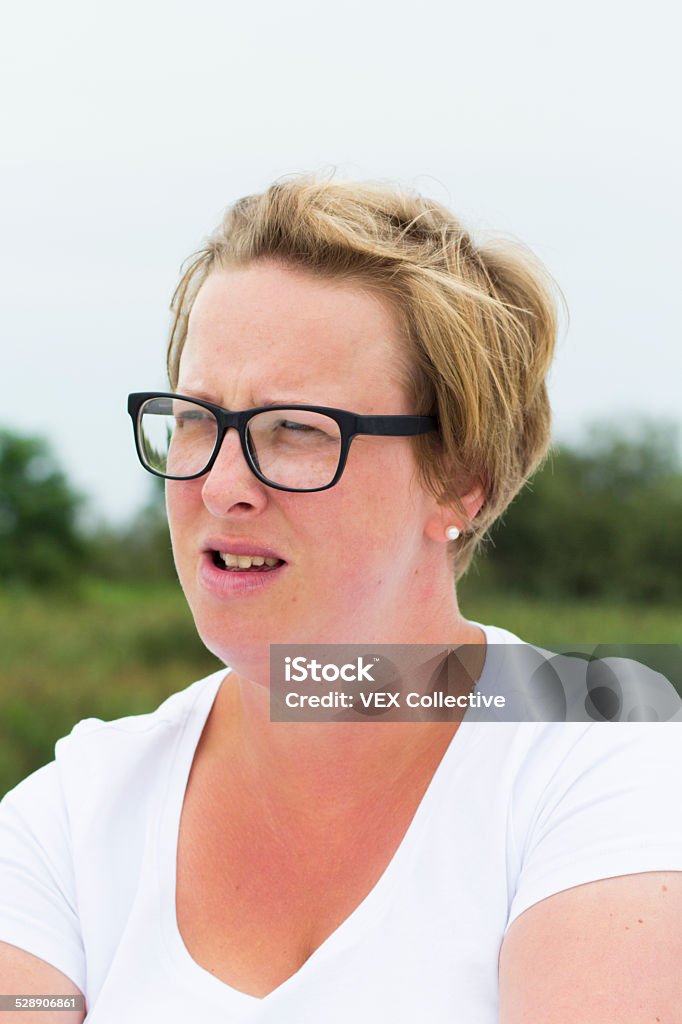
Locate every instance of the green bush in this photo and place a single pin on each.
(600, 521)
(40, 541)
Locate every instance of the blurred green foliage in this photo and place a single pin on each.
(39, 536)
(137, 550)
(603, 520)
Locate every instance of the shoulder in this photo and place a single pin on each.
(100, 760)
(139, 730)
(594, 843)
(555, 760)
(590, 802)
(596, 895)
(131, 753)
(83, 818)
(586, 797)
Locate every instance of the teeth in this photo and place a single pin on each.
(245, 561)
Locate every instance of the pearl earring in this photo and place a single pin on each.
(452, 533)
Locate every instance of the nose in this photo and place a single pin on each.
(230, 485)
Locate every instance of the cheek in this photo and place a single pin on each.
(380, 490)
(183, 499)
(360, 528)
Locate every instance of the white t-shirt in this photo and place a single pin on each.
(514, 813)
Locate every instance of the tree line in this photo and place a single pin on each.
(602, 519)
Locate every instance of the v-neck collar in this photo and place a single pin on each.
(351, 929)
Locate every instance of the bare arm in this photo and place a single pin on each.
(608, 952)
(21, 973)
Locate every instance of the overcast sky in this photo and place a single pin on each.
(127, 128)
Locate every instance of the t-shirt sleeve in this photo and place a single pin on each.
(610, 806)
(38, 911)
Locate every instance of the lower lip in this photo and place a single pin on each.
(228, 582)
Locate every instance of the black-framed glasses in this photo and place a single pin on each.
(289, 447)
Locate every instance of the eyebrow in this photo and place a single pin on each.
(191, 392)
(205, 396)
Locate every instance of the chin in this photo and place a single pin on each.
(253, 667)
(242, 640)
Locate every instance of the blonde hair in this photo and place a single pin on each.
(479, 322)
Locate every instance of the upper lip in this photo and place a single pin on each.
(239, 547)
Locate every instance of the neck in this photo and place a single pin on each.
(338, 765)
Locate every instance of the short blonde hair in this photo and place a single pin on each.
(479, 322)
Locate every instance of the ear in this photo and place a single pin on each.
(446, 514)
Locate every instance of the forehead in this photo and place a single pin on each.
(267, 329)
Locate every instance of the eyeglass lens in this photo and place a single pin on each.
(291, 447)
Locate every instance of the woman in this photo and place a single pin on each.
(206, 862)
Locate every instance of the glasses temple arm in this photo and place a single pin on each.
(395, 426)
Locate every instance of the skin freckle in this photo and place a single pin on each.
(640, 921)
(664, 888)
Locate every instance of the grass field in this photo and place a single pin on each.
(116, 650)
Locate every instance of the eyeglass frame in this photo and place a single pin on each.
(350, 425)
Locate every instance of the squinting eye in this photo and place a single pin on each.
(301, 427)
(182, 418)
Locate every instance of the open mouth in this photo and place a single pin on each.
(244, 563)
